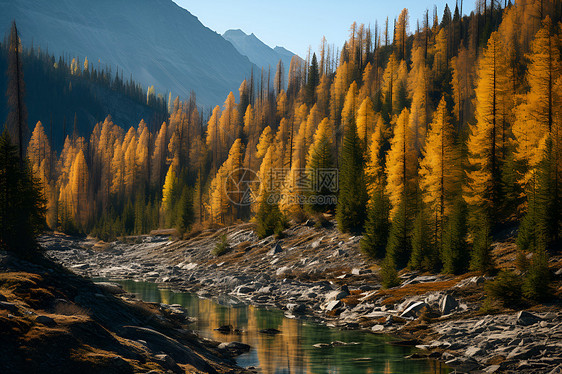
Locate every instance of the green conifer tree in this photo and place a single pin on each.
(352, 198)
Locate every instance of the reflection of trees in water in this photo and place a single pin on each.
(294, 354)
(271, 353)
(291, 351)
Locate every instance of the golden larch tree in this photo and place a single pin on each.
(401, 164)
(440, 169)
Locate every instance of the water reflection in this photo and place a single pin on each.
(292, 350)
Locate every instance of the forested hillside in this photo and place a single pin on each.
(439, 136)
(72, 94)
(157, 41)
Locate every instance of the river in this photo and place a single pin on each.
(292, 350)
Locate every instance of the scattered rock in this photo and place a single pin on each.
(523, 352)
(168, 361)
(332, 305)
(282, 270)
(243, 290)
(321, 345)
(492, 369)
(8, 306)
(413, 310)
(225, 329)
(235, 347)
(448, 304)
(473, 351)
(45, 320)
(80, 266)
(336, 295)
(275, 250)
(296, 308)
(525, 318)
(377, 328)
(270, 331)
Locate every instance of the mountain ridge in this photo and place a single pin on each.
(177, 53)
(258, 52)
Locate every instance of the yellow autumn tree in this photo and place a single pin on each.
(536, 114)
(366, 120)
(374, 170)
(214, 136)
(130, 161)
(485, 140)
(350, 106)
(41, 158)
(440, 169)
(169, 192)
(266, 138)
(226, 193)
(142, 156)
(229, 126)
(401, 164)
(390, 76)
(78, 186)
(463, 77)
(418, 89)
(158, 159)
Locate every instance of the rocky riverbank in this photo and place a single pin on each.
(319, 273)
(53, 321)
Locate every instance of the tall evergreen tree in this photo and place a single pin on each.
(17, 117)
(312, 82)
(352, 198)
(21, 203)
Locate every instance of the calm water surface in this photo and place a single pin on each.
(292, 350)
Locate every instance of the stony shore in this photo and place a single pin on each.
(54, 321)
(320, 274)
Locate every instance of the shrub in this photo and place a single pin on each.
(221, 247)
(536, 286)
(389, 274)
(269, 219)
(506, 288)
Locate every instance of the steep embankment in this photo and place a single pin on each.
(320, 273)
(53, 321)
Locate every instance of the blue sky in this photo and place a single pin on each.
(296, 24)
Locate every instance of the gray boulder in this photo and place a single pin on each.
(45, 320)
(526, 319)
(332, 305)
(336, 295)
(414, 309)
(377, 328)
(295, 308)
(473, 351)
(447, 304)
(235, 347)
(242, 290)
(275, 250)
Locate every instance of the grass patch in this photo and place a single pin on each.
(397, 294)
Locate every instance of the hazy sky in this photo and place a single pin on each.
(296, 24)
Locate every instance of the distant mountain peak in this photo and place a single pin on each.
(235, 32)
(257, 51)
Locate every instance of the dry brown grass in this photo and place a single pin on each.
(71, 309)
(395, 295)
(353, 298)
